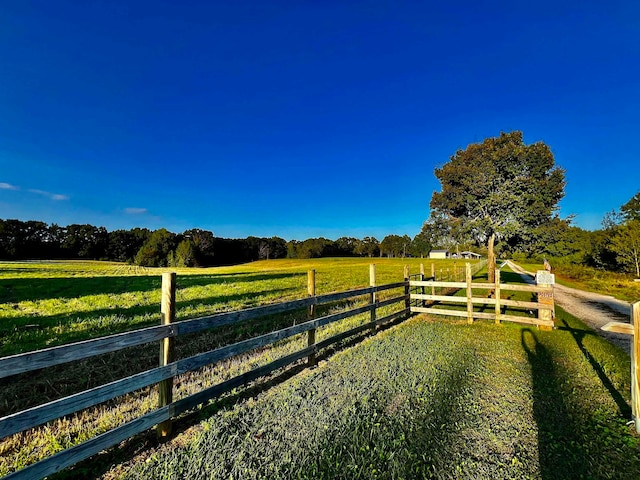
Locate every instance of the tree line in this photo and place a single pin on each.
(497, 197)
(35, 240)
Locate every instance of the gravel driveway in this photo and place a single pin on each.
(594, 309)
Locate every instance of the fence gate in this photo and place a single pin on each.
(463, 306)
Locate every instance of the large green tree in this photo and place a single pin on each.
(499, 189)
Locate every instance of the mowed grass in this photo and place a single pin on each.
(428, 399)
(51, 303)
(44, 304)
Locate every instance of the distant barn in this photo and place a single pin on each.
(470, 255)
(439, 254)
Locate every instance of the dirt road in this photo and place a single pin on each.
(594, 309)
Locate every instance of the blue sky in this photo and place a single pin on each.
(302, 119)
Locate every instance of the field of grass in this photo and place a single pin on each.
(424, 399)
(46, 304)
(618, 285)
(429, 400)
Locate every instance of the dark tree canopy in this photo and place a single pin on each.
(499, 189)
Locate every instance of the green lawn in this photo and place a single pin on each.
(428, 400)
(50, 303)
(433, 399)
(47, 304)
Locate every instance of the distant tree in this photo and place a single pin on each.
(498, 189)
(625, 242)
(292, 248)
(368, 246)
(264, 251)
(388, 245)
(184, 256)
(155, 251)
(203, 241)
(442, 231)
(314, 248)
(612, 219)
(345, 246)
(557, 239)
(85, 241)
(395, 245)
(420, 245)
(21, 240)
(277, 247)
(123, 245)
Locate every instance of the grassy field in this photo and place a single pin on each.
(618, 285)
(424, 399)
(46, 304)
(429, 400)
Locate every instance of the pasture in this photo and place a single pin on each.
(434, 399)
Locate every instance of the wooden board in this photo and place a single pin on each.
(482, 315)
(480, 301)
(618, 327)
(48, 357)
(35, 416)
(75, 454)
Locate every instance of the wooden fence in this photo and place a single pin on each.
(493, 297)
(168, 368)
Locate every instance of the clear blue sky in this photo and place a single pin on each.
(303, 119)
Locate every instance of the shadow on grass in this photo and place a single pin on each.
(33, 388)
(13, 290)
(560, 450)
(578, 335)
(35, 331)
(147, 441)
(376, 442)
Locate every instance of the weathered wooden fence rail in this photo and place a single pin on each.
(428, 300)
(169, 368)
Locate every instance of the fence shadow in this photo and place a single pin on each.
(560, 450)
(147, 441)
(578, 335)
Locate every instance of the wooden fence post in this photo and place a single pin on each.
(407, 292)
(635, 365)
(373, 297)
(469, 295)
(311, 339)
(545, 298)
(433, 277)
(423, 290)
(497, 295)
(167, 349)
